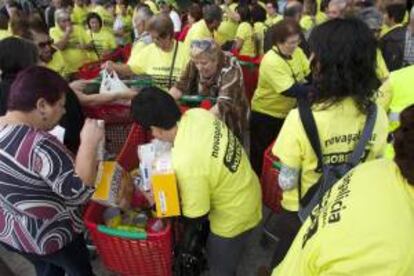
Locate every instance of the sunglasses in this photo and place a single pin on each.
(202, 44)
(43, 44)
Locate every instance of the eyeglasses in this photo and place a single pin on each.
(202, 44)
(43, 44)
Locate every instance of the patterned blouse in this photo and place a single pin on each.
(40, 194)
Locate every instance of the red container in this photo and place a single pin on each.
(89, 71)
(150, 257)
(250, 77)
(271, 192)
(118, 124)
(128, 157)
(250, 70)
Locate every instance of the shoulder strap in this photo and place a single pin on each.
(352, 162)
(366, 135)
(172, 65)
(311, 130)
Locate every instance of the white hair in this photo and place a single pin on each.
(143, 14)
(61, 13)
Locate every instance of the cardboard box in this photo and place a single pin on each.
(113, 184)
(165, 191)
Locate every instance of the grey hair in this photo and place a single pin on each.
(212, 13)
(412, 13)
(143, 13)
(342, 4)
(61, 13)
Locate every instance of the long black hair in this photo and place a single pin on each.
(345, 62)
(404, 144)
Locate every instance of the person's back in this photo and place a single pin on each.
(364, 228)
(216, 178)
(339, 128)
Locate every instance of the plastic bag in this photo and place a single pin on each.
(111, 83)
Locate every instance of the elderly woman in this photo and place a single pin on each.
(72, 40)
(163, 60)
(213, 73)
(42, 187)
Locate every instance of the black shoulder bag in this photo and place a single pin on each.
(330, 174)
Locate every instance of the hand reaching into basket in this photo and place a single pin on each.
(121, 68)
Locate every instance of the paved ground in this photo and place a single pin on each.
(255, 255)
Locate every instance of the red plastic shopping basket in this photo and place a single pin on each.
(271, 192)
(128, 157)
(250, 70)
(91, 70)
(118, 123)
(150, 257)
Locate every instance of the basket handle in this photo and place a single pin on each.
(122, 233)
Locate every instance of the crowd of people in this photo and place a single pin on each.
(331, 75)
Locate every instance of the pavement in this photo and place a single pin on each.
(256, 254)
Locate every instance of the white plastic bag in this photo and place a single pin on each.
(111, 83)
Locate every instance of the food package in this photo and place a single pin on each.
(164, 187)
(113, 184)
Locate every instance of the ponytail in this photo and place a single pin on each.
(404, 144)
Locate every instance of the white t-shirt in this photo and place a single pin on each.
(176, 21)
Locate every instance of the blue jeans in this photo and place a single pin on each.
(73, 259)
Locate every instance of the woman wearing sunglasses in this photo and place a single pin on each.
(212, 73)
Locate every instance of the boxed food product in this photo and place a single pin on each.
(114, 185)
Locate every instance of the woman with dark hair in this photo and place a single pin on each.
(18, 54)
(15, 55)
(282, 70)
(195, 14)
(103, 40)
(42, 187)
(345, 80)
(258, 18)
(365, 225)
(244, 41)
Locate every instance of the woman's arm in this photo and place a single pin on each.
(121, 68)
(238, 44)
(63, 42)
(86, 163)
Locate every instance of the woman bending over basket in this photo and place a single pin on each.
(42, 188)
(213, 73)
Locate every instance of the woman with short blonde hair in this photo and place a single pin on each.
(213, 73)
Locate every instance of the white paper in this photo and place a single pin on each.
(58, 132)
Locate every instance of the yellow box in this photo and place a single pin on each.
(113, 184)
(164, 188)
